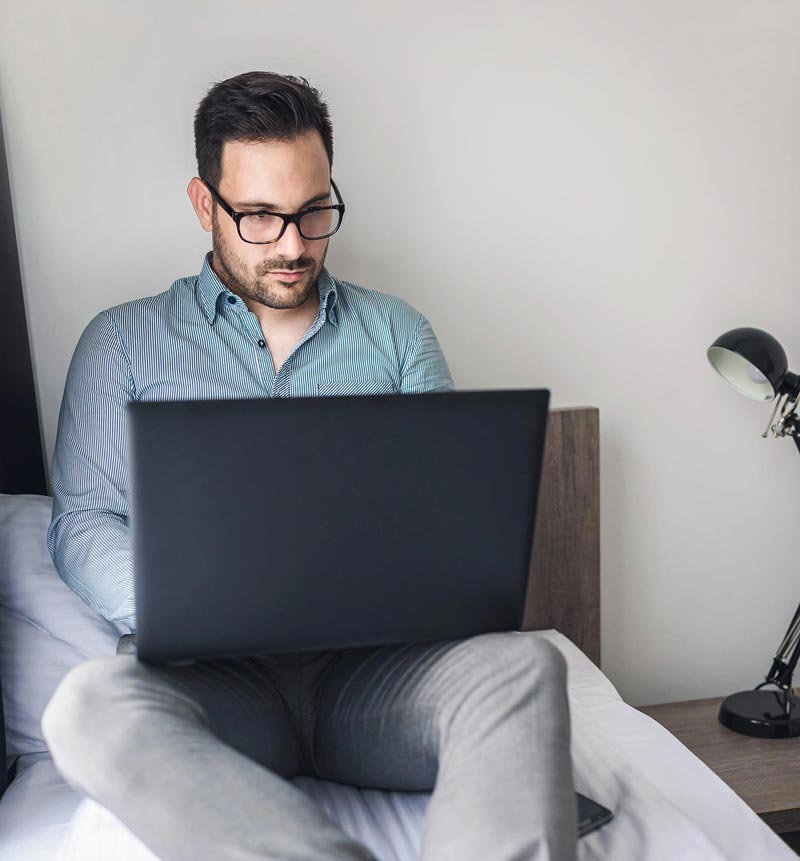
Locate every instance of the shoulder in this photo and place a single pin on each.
(147, 309)
(119, 331)
(129, 321)
(373, 306)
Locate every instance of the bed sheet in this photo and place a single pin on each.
(35, 811)
(667, 803)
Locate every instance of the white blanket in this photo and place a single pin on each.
(668, 805)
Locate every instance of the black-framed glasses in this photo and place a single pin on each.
(264, 227)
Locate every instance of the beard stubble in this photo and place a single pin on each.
(255, 285)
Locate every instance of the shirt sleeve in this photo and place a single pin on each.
(88, 538)
(425, 369)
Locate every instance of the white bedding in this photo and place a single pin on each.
(35, 811)
(668, 805)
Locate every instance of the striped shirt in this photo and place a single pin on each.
(199, 341)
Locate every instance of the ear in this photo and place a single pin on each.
(202, 201)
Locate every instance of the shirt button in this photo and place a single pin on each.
(232, 300)
(262, 344)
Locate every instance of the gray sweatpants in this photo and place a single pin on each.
(196, 760)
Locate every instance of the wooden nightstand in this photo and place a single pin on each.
(764, 772)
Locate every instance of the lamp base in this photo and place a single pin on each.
(761, 713)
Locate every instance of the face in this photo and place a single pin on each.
(285, 176)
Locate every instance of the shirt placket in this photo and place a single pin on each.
(248, 325)
(275, 385)
(282, 382)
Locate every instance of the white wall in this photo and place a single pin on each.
(579, 195)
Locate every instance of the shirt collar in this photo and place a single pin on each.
(328, 292)
(210, 288)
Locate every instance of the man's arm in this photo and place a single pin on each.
(425, 368)
(88, 537)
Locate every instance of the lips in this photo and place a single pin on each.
(289, 277)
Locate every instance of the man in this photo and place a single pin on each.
(197, 760)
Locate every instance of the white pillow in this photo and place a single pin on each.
(45, 628)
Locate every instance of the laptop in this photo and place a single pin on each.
(274, 525)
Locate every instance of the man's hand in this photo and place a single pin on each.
(127, 644)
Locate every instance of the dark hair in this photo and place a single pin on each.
(256, 106)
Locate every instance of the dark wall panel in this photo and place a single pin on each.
(21, 460)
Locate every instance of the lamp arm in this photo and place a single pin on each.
(788, 654)
(785, 660)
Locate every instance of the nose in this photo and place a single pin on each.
(291, 244)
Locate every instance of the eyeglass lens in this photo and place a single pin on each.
(265, 228)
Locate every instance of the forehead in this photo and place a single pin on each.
(276, 170)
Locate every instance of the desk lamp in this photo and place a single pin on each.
(755, 364)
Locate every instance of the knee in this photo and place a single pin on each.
(523, 655)
(78, 701)
(83, 715)
(526, 666)
(541, 668)
(507, 676)
(545, 661)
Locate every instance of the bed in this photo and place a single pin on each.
(667, 804)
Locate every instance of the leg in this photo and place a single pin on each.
(483, 721)
(194, 760)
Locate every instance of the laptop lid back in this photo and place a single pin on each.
(293, 524)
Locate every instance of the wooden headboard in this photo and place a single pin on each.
(564, 584)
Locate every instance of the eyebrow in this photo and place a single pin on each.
(261, 205)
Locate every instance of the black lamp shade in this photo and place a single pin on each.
(753, 362)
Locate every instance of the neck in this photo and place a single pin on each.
(285, 318)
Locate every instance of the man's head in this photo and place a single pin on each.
(264, 142)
